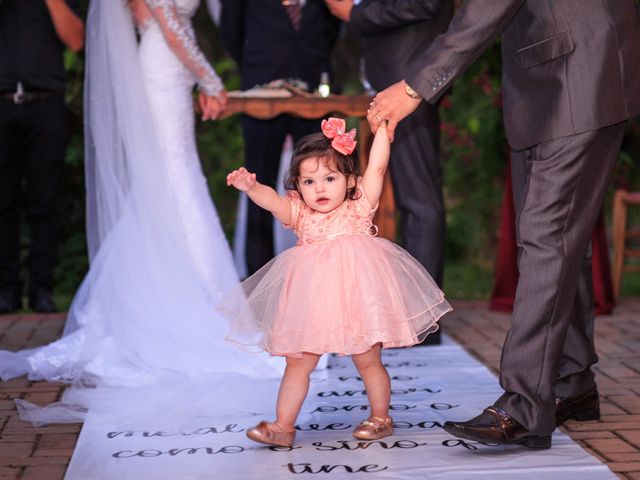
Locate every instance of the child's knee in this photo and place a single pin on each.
(305, 364)
(367, 360)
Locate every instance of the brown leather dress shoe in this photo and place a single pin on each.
(494, 425)
(272, 434)
(582, 408)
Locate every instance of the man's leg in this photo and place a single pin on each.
(578, 354)
(299, 127)
(10, 193)
(44, 155)
(263, 147)
(417, 183)
(559, 187)
(575, 376)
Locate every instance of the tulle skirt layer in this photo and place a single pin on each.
(342, 295)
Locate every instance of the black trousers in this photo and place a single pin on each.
(263, 141)
(559, 187)
(416, 175)
(33, 138)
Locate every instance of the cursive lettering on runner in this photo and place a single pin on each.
(404, 364)
(394, 378)
(152, 453)
(352, 445)
(230, 428)
(466, 444)
(362, 407)
(443, 406)
(396, 392)
(426, 424)
(318, 427)
(298, 468)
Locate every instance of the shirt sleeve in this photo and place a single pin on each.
(182, 42)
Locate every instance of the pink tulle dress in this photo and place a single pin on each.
(341, 289)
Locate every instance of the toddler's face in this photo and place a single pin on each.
(322, 186)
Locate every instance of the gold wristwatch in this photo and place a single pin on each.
(410, 91)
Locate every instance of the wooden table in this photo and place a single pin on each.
(316, 107)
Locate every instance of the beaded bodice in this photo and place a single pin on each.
(352, 217)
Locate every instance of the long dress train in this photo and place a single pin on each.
(145, 315)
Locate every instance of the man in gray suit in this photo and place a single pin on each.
(571, 79)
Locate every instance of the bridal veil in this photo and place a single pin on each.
(142, 331)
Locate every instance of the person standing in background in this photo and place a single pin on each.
(270, 40)
(396, 34)
(33, 37)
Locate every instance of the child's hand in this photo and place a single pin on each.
(383, 127)
(242, 179)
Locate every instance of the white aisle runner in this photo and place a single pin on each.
(430, 385)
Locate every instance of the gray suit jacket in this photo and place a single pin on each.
(397, 33)
(569, 66)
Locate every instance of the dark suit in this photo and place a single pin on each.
(33, 139)
(262, 40)
(397, 33)
(571, 79)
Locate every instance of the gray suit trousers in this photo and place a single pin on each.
(559, 187)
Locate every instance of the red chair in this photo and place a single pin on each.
(621, 248)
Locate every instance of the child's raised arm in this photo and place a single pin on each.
(261, 195)
(373, 177)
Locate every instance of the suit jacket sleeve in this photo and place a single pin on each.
(377, 17)
(471, 31)
(232, 27)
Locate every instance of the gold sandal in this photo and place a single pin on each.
(374, 428)
(263, 434)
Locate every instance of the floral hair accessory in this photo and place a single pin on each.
(342, 141)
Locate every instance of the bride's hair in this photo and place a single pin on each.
(317, 145)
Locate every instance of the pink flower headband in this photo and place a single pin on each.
(342, 141)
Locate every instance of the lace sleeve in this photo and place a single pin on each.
(182, 42)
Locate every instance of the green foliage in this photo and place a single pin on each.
(221, 150)
(474, 159)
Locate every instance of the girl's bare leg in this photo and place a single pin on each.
(376, 380)
(293, 388)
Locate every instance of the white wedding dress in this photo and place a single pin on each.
(145, 314)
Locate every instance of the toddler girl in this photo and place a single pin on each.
(341, 289)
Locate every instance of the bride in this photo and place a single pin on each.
(144, 315)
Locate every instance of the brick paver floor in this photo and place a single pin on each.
(31, 453)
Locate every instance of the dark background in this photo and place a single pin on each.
(474, 160)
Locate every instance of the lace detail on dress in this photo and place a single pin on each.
(58, 362)
(144, 26)
(353, 217)
(181, 38)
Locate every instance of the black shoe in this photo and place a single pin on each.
(582, 408)
(9, 302)
(40, 301)
(494, 425)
